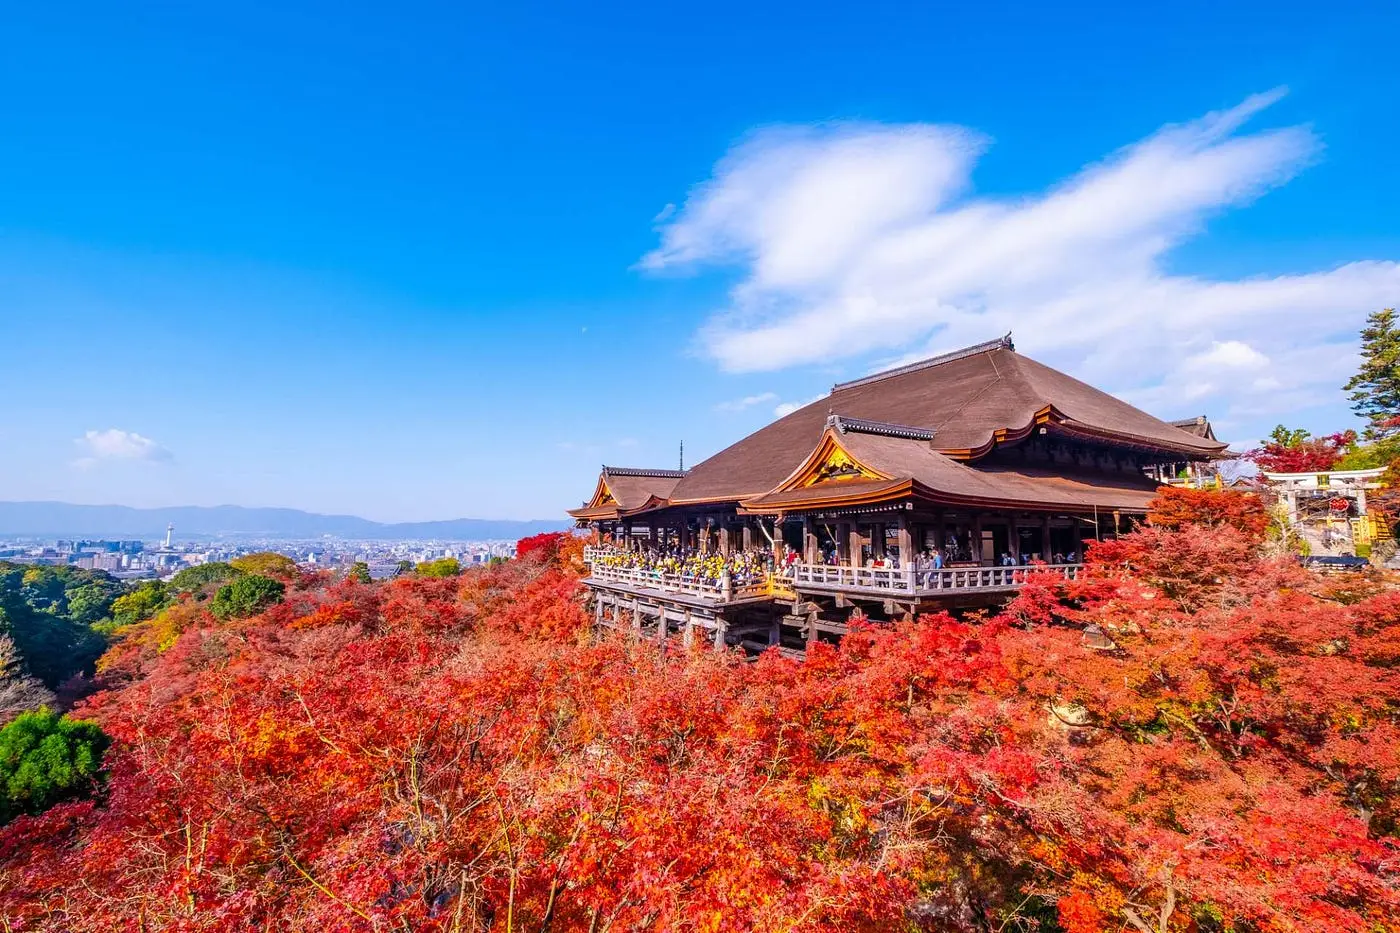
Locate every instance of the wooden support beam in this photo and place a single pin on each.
(906, 541)
(809, 540)
(976, 544)
(636, 618)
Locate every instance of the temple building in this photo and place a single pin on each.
(931, 485)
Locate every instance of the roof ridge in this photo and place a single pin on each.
(886, 428)
(643, 471)
(1001, 343)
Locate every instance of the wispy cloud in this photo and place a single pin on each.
(748, 401)
(787, 408)
(116, 444)
(860, 242)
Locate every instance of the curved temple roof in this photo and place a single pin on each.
(622, 490)
(969, 400)
(887, 466)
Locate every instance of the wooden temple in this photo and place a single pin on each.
(933, 485)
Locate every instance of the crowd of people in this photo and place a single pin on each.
(710, 567)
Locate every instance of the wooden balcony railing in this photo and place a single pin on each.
(906, 581)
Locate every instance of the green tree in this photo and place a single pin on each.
(1375, 389)
(359, 571)
(445, 567)
(246, 596)
(141, 603)
(193, 579)
(45, 759)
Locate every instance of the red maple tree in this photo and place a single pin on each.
(1297, 451)
(465, 754)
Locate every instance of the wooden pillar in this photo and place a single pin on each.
(809, 541)
(853, 543)
(906, 542)
(597, 609)
(1013, 537)
(636, 618)
(976, 543)
(1046, 552)
(720, 627)
(688, 633)
(877, 539)
(746, 536)
(661, 625)
(843, 542)
(651, 532)
(724, 539)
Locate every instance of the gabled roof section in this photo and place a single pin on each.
(1199, 426)
(621, 490)
(897, 467)
(969, 400)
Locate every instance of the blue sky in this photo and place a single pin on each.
(434, 261)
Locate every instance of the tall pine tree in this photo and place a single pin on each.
(1375, 389)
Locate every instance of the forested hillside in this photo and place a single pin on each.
(1197, 735)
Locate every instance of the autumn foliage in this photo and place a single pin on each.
(1297, 451)
(1179, 507)
(464, 754)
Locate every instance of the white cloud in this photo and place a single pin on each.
(787, 408)
(748, 401)
(115, 444)
(859, 242)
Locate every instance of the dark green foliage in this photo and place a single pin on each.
(46, 759)
(246, 596)
(359, 571)
(1375, 389)
(193, 579)
(446, 567)
(49, 611)
(83, 595)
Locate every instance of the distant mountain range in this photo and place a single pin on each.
(63, 519)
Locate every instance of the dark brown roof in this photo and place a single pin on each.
(968, 399)
(629, 489)
(911, 464)
(1199, 426)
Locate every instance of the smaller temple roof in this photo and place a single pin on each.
(1199, 426)
(624, 490)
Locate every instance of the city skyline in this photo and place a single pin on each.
(414, 268)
